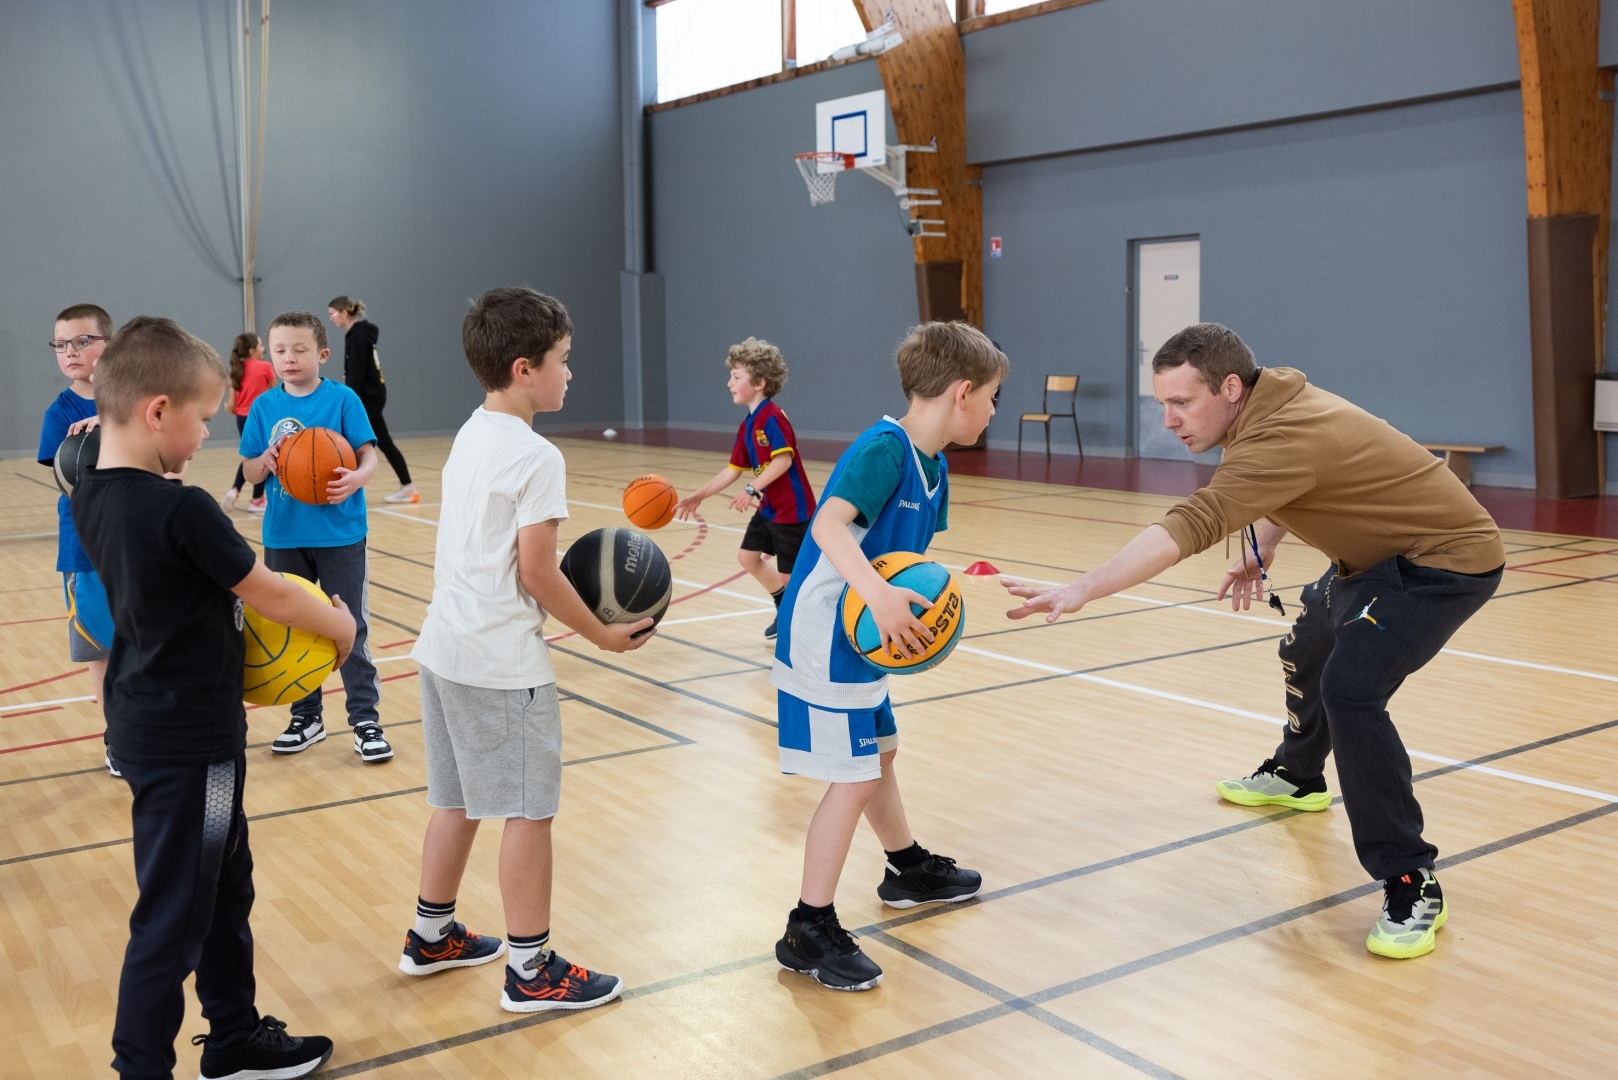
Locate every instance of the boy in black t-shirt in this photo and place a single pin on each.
(171, 561)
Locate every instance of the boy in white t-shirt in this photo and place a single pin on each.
(490, 716)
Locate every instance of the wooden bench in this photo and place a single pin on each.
(1458, 457)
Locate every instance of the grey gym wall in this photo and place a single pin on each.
(741, 252)
(1381, 251)
(418, 153)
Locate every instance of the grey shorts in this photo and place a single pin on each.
(492, 753)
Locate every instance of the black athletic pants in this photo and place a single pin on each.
(196, 890)
(384, 441)
(1355, 642)
(258, 488)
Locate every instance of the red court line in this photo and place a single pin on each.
(1564, 558)
(53, 742)
(19, 622)
(1568, 577)
(32, 712)
(42, 682)
(677, 600)
(396, 644)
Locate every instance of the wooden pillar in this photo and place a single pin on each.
(925, 79)
(1567, 135)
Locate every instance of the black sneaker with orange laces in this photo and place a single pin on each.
(459, 948)
(557, 984)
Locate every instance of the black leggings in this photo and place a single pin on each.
(384, 441)
(258, 488)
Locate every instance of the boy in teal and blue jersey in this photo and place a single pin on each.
(325, 544)
(889, 492)
(82, 331)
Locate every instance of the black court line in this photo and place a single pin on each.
(1006, 997)
(1547, 588)
(715, 675)
(665, 636)
(35, 480)
(682, 691)
(375, 584)
(1086, 671)
(372, 616)
(1189, 948)
(401, 558)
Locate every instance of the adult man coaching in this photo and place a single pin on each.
(1413, 557)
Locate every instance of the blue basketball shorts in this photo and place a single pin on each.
(843, 747)
(89, 617)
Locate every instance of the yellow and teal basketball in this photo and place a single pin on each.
(283, 664)
(945, 617)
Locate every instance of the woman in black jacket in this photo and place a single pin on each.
(362, 371)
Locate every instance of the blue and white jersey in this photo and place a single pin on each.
(813, 659)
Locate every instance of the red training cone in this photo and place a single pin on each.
(982, 569)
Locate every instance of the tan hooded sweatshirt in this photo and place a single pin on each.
(1340, 480)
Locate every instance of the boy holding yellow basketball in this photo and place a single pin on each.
(491, 719)
(177, 573)
(325, 543)
(889, 492)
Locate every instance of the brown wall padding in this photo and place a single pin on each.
(938, 290)
(1561, 314)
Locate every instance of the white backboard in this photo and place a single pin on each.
(855, 125)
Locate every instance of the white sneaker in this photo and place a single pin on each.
(111, 768)
(408, 494)
(299, 736)
(228, 502)
(370, 744)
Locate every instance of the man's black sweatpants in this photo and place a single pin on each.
(196, 890)
(1355, 642)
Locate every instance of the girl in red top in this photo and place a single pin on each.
(250, 376)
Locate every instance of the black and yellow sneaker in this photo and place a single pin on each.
(557, 984)
(1271, 785)
(1413, 909)
(824, 951)
(459, 948)
(935, 880)
(266, 1051)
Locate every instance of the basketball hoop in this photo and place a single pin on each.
(820, 169)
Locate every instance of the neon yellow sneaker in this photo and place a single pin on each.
(1413, 909)
(1271, 785)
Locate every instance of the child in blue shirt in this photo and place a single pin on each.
(325, 544)
(889, 492)
(82, 331)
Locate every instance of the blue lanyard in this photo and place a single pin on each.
(1264, 578)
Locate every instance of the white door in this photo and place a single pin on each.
(1168, 298)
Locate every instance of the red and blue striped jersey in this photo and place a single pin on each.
(765, 433)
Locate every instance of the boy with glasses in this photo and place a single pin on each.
(82, 331)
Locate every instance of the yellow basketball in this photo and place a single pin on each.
(946, 617)
(283, 664)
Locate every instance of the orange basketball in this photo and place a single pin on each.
(649, 502)
(309, 460)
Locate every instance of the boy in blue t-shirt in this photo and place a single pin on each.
(325, 544)
(889, 492)
(82, 331)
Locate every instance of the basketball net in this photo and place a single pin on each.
(822, 183)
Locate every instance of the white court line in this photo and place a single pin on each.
(389, 659)
(405, 517)
(1276, 622)
(41, 704)
(726, 615)
(1228, 710)
(719, 592)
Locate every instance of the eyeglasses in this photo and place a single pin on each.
(78, 344)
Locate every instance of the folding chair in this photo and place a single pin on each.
(1055, 384)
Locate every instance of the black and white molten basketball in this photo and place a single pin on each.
(77, 453)
(620, 575)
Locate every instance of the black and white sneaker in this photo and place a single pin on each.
(935, 880)
(112, 770)
(826, 952)
(300, 735)
(265, 1053)
(370, 744)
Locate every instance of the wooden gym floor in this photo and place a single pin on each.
(1131, 924)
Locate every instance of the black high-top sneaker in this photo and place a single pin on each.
(826, 952)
